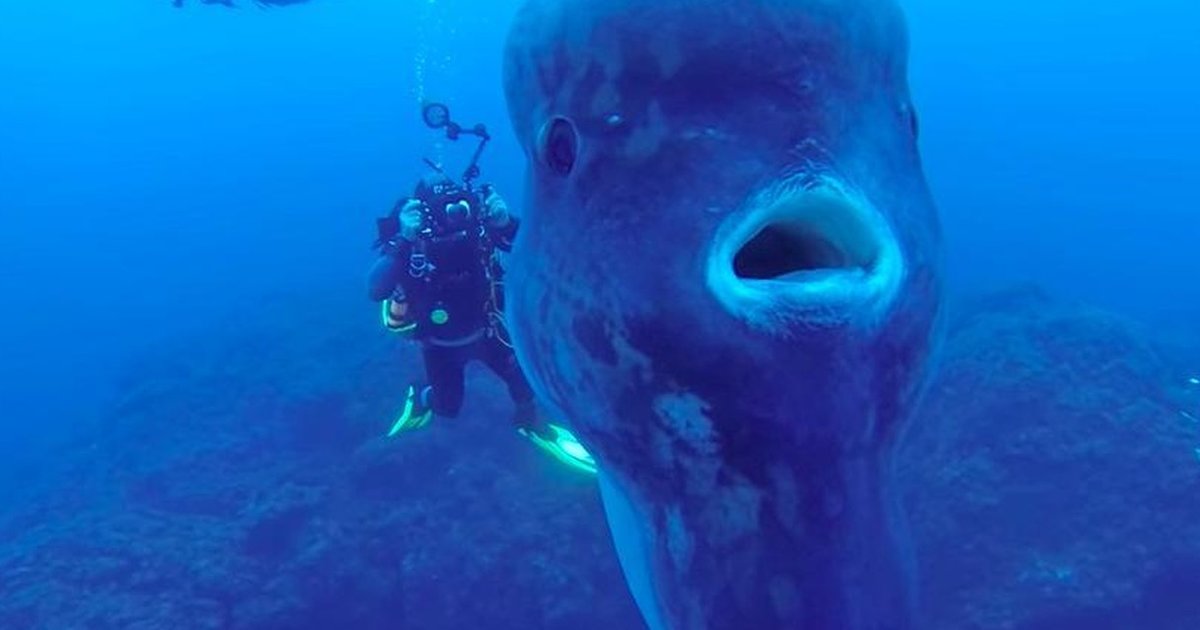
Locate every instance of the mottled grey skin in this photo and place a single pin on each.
(745, 427)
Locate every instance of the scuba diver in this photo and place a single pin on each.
(439, 279)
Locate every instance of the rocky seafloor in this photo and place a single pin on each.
(243, 482)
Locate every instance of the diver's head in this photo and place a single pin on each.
(432, 186)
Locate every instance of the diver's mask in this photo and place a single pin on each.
(458, 213)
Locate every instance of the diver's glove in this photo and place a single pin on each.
(395, 315)
(495, 210)
(412, 220)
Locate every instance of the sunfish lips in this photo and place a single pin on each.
(818, 251)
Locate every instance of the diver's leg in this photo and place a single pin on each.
(444, 371)
(503, 362)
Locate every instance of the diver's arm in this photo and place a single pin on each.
(384, 276)
(501, 224)
(503, 236)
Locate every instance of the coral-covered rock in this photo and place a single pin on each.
(245, 483)
(1053, 476)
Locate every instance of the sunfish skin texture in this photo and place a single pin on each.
(728, 280)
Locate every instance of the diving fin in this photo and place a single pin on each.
(563, 446)
(414, 415)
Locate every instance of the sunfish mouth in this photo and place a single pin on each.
(819, 249)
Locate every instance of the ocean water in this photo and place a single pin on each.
(173, 177)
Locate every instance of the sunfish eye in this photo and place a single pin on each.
(560, 146)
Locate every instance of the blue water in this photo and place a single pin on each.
(1060, 138)
(169, 171)
(163, 167)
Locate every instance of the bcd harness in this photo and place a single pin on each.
(423, 267)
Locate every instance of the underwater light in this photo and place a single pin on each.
(1194, 381)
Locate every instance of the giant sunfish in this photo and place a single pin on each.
(728, 279)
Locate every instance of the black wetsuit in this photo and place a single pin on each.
(445, 282)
